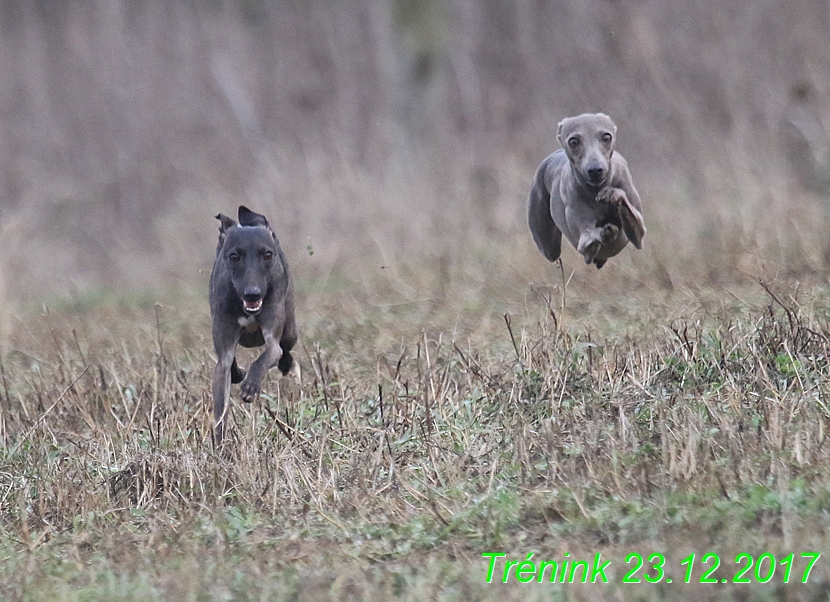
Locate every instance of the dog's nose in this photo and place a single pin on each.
(595, 172)
(252, 293)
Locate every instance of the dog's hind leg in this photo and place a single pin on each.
(289, 335)
(237, 373)
(590, 243)
(546, 235)
(221, 392)
(286, 361)
(609, 234)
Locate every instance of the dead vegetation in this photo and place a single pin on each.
(376, 132)
(400, 441)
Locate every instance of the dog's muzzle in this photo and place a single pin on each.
(594, 172)
(252, 307)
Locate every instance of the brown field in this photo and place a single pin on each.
(422, 431)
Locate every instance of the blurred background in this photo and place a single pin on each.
(381, 134)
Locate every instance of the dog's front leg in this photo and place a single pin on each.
(250, 387)
(632, 221)
(221, 391)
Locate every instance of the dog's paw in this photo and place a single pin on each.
(609, 233)
(249, 390)
(591, 250)
(611, 196)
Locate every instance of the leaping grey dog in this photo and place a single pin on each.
(585, 191)
(251, 304)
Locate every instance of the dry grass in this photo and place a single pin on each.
(376, 138)
(421, 432)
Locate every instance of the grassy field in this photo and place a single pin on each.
(431, 421)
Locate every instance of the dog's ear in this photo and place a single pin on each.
(226, 223)
(559, 134)
(251, 218)
(610, 121)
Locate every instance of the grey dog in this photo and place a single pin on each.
(585, 191)
(251, 304)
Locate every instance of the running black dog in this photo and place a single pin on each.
(251, 304)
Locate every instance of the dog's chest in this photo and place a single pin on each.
(249, 324)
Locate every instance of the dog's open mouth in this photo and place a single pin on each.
(252, 307)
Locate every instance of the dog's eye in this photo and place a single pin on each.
(233, 258)
(573, 142)
(606, 137)
(268, 256)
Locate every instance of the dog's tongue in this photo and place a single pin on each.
(252, 305)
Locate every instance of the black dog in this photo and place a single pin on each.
(252, 304)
